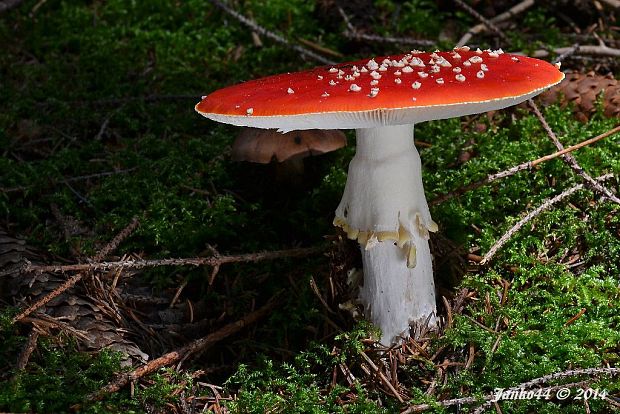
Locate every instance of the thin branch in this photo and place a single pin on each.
(182, 353)
(537, 381)
(29, 347)
(382, 376)
(523, 166)
(612, 3)
(388, 39)
(570, 159)
(273, 36)
(489, 24)
(191, 261)
(544, 206)
(600, 50)
(77, 277)
(508, 14)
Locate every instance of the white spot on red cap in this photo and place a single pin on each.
(332, 82)
(460, 77)
(333, 70)
(375, 75)
(354, 88)
(484, 67)
(290, 90)
(480, 74)
(373, 92)
(325, 95)
(249, 111)
(372, 65)
(319, 77)
(456, 70)
(397, 81)
(475, 59)
(398, 73)
(440, 81)
(416, 85)
(374, 82)
(423, 75)
(407, 69)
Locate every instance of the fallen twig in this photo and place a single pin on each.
(273, 36)
(600, 50)
(191, 261)
(29, 347)
(544, 206)
(523, 166)
(77, 277)
(508, 14)
(382, 376)
(182, 353)
(353, 33)
(525, 385)
(488, 23)
(570, 159)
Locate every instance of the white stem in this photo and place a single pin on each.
(385, 209)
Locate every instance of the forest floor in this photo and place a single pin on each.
(104, 160)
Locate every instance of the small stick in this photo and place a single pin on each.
(574, 318)
(508, 14)
(29, 347)
(382, 376)
(77, 277)
(483, 19)
(353, 33)
(523, 166)
(544, 206)
(388, 39)
(182, 353)
(191, 261)
(570, 160)
(264, 32)
(600, 50)
(524, 385)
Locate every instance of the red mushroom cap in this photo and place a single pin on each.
(388, 90)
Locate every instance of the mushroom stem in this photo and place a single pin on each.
(384, 208)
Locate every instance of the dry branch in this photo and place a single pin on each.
(570, 159)
(273, 36)
(182, 353)
(520, 167)
(544, 206)
(525, 385)
(191, 261)
(486, 22)
(508, 14)
(600, 50)
(77, 277)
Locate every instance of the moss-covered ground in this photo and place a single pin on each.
(89, 88)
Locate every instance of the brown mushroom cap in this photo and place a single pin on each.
(264, 145)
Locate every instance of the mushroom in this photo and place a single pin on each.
(265, 145)
(287, 151)
(384, 207)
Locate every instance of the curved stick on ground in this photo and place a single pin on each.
(182, 353)
(107, 249)
(544, 206)
(520, 167)
(262, 31)
(570, 159)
